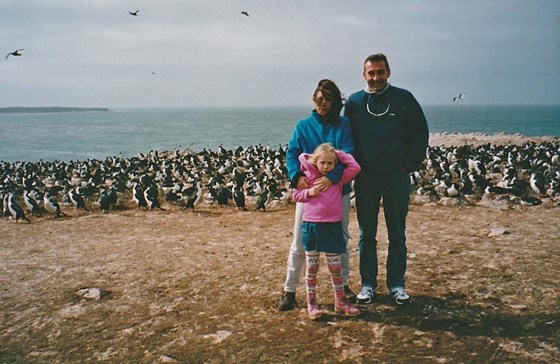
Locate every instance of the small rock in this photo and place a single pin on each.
(219, 336)
(72, 311)
(497, 231)
(453, 201)
(518, 306)
(90, 293)
(166, 359)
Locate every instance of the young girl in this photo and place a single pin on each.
(322, 223)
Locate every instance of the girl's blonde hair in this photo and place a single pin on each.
(320, 150)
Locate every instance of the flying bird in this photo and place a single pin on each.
(460, 97)
(245, 13)
(133, 13)
(15, 53)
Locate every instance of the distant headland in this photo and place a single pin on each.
(18, 109)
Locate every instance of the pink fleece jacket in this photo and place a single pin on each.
(327, 205)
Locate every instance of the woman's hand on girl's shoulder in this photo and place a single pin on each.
(302, 183)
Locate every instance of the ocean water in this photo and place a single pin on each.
(127, 132)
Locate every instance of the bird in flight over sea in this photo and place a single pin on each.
(460, 97)
(134, 13)
(15, 53)
(245, 13)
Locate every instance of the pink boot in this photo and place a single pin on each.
(342, 306)
(313, 307)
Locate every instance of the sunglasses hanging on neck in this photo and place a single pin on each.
(375, 98)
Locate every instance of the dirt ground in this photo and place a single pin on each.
(202, 287)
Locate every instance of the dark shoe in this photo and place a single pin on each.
(287, 302)
(350, 296)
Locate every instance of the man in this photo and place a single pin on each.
(391, 136)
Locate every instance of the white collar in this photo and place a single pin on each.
(367, 90)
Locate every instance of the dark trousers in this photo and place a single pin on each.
(395, 191)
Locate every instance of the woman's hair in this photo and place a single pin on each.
(320, 150)
(332, 93)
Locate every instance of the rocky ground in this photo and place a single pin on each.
(202, 287)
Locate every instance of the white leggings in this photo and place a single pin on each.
(296, 255)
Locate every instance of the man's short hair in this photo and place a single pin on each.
(376, 58)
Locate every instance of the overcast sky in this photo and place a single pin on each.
(181, 53)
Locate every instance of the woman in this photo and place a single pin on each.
(324, 125)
